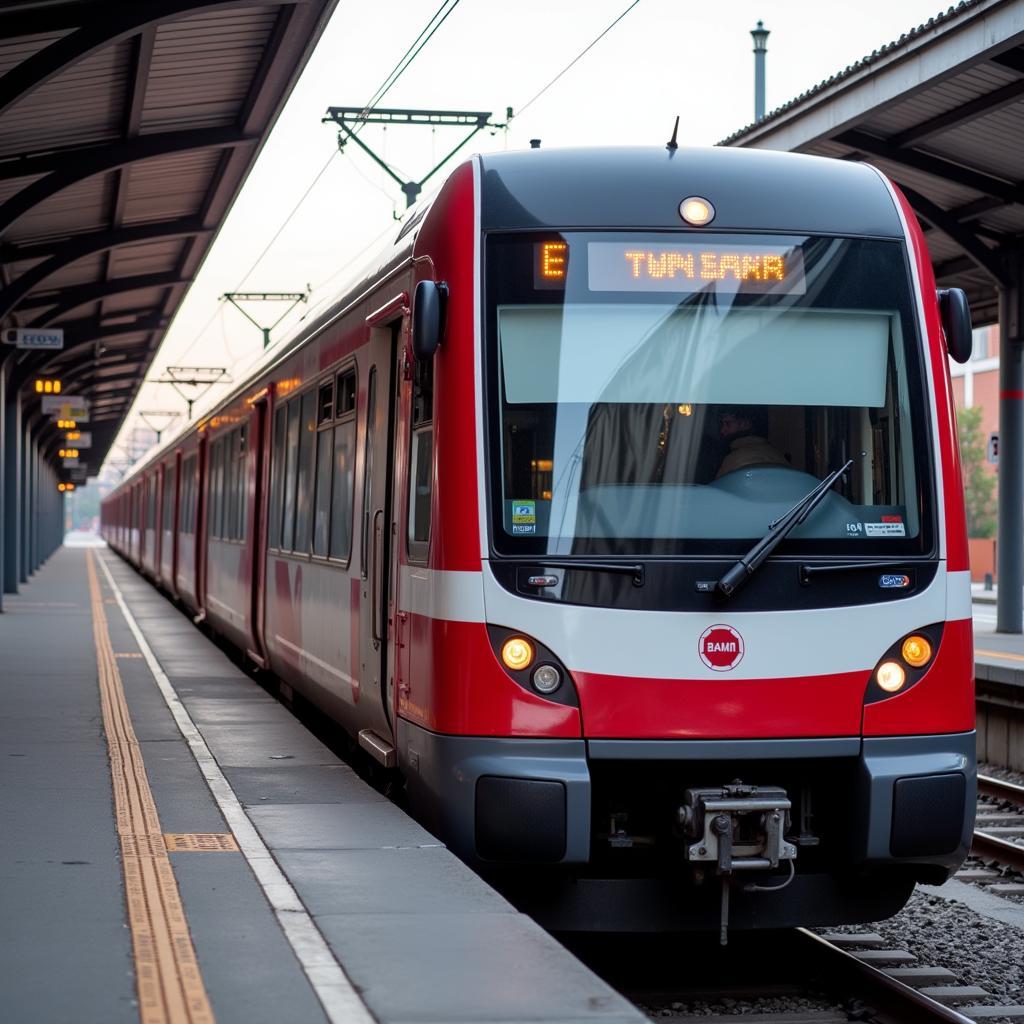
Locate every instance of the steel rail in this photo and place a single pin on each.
(993, 847)
(1000, 789)
(894, 1000)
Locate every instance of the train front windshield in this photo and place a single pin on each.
(673, 394)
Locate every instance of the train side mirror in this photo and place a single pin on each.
(956, 322)
(428, 309)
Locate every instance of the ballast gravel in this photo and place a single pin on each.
(944, 933)
(725, 1007)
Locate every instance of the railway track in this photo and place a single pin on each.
(996, 828)
(798, 977)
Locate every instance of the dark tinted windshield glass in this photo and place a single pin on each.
(652, 394)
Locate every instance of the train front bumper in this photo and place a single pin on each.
(909, 802)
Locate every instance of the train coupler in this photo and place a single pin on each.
(738, 827)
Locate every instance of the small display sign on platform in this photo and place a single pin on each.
(66, 407)
(34, 337)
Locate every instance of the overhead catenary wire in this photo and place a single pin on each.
(426, 34)
(575, 60)
(412, 53)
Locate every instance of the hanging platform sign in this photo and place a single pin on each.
(70, 463)
(67, 407)
(34, 337)
(84, 439)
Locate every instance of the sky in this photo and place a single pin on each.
(305, 219)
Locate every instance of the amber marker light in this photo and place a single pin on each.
(890, 676)
(697, 211)
(517, 653)
(916, 651)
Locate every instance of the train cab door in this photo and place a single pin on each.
(378, 555)
(259, 447)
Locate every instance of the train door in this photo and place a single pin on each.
(176, 517)
(377, 551)
(259, 446)
(159, 501)
(202, 488)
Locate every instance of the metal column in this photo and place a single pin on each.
(1010, 606)
(26, 502)
(11, 456)
(3, 473)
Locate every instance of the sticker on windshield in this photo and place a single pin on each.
(885, 530)
(520, 528)
(524, 512)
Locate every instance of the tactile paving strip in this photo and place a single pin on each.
(200, 842)
(169, 982)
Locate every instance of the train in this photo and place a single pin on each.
(616, 509)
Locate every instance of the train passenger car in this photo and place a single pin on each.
(618, 509)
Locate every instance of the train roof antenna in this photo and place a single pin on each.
(672, 145)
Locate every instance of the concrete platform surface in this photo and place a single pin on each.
(998, 657)
(335, 907)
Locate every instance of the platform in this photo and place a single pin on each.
(172, 832)
(998, 657)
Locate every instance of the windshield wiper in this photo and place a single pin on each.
(735, 577)
(808, 571)
(625, 568)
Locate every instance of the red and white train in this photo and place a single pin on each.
(618, 508)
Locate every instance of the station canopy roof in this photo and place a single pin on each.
(126, 132)
(941, 111)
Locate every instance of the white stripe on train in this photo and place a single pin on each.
(780, 644)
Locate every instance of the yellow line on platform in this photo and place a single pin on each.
(999, 654)
(170, 986)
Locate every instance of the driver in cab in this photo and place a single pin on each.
(743, 428)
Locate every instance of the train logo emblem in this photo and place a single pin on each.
(720, 648)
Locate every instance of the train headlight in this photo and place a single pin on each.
(517, 653)
(546, 679)
(890, 676)
(916, 651)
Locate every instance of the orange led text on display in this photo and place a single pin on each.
(705, 266)
(553, 260)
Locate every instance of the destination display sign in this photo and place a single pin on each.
(35, 338)
(66, 407)
(756, 269)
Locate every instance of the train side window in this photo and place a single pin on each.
(421, 461)
(322, 498)
(244, 456)
(371, 415)
(168, 510)
(346, 393)
(230, 486)
(344, 467)
(237, 453)
(304, 498)
(325, 403)
(188, 495)
(216, 488)
(291, 475)
(277, 474)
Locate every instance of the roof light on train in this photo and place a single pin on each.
(890, 676)
(697, 211)
(916, 651)
(517, 653)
